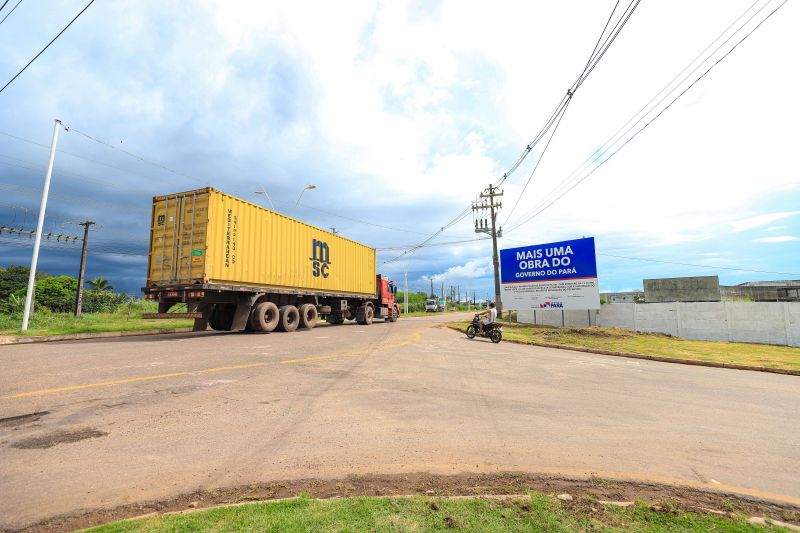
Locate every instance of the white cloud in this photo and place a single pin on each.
(761, 220)
(474, 269)
(781, 238)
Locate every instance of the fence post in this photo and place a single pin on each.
(786, 324)
(728, 320)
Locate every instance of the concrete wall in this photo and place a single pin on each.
(761, 322)
(550, 317)
(691, 289)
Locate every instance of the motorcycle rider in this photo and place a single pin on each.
(491, 317)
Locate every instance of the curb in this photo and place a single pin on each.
(631, 355)
(82, 336)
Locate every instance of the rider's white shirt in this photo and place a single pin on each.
(492, 317)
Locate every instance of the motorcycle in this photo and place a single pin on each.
(492, 331)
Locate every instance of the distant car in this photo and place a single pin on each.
(433, 306)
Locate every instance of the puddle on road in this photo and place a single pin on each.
(54, 438)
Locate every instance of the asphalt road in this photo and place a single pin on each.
(142, 418)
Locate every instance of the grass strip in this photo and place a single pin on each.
(536, 512)
(65, 323)
(653, 344)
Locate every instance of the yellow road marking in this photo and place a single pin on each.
(128, 380)
(416, 337)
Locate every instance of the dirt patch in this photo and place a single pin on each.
(48, 440)
(14, 421)
(587, 495)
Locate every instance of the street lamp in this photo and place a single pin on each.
(264, 192)
(307, 187)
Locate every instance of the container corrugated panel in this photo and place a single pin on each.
(206, 236)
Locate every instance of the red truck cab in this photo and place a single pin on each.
(385, 292)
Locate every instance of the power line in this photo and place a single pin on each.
(547, 203)
(46, 47)
(4, 5)
(135, 156)
(9, 13)
(304, 206)
(595, 57)
(608, 143)
(600, 48)
(448, 243)
(708, 267)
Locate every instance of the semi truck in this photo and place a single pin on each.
(239, 266)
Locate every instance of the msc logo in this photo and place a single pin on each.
(552, 305)
(320, 258)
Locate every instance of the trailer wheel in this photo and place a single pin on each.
(335, 319)
(264, 317)
(364, 315)
(221, 318)
(288, 318)
(308, 316)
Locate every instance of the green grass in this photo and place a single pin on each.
(124, 318)
(535, 513)
(429, 313)
(657, 344)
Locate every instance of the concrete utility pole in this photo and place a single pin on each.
(405, 298)
(432, 294)
(493, 207)
(39, 225)
(79, 296)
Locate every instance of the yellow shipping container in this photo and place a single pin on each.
(208, 237)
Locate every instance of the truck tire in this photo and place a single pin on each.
(364, 315)
(394, 314)
(335, 319)
(308, 316)
(221, 318)
(264, 317)
(288, 318)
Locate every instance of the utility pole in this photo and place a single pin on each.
(444, 297)
(432, 294)
(493, 207)
(79, 296)
(405, 298)
(39, 226)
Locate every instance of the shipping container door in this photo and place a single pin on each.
(178, 241)
(191, 245)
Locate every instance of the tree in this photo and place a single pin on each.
(56, 293)
(14, 278)
(100, 284)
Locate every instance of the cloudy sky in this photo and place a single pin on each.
(400, 113)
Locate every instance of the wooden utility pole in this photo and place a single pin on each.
(490, 228)
(79, 295)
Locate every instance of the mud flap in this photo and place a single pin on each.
(243, 308)
(201, 324)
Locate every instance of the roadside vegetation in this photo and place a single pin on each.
(537, 512)
(655, 344)
(103, 309)
(416, 303)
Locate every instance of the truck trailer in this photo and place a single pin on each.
(238, 266)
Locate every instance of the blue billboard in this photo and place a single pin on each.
(556, 275)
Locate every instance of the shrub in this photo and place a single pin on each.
(103, 301)
(55, 293)
(15, 278)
